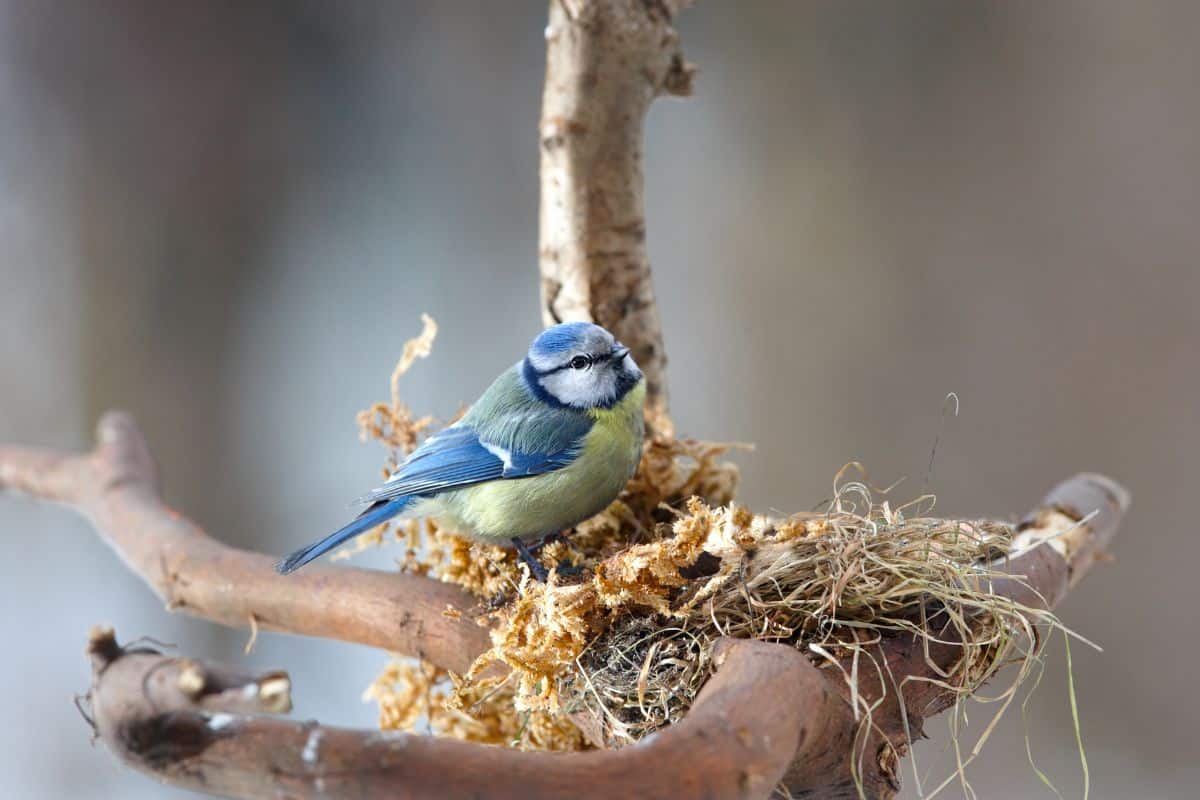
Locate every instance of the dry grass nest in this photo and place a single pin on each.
(609, 655)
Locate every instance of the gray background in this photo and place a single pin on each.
(227, 220)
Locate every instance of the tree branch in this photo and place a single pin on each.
(116, 487)
(734, 742)
(1054, 548)
(767, 710)
(606, 61)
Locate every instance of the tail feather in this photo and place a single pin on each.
(378, 513)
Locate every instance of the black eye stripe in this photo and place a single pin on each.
(592, 359)
(544, 372)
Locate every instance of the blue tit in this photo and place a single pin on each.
(550, 443)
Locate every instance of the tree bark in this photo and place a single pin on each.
(734, 741)
(115, 487)
(606, 61)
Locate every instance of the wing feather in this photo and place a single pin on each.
(461, 455)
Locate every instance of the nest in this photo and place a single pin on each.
(607, 656)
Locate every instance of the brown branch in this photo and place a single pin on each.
(606, 61)
(766, 709)
(1053, 552)
(733, 744)
(116, 488)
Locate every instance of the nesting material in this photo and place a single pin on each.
(609, 655)
(625, 651)
(416, 696)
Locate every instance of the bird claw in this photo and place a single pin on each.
(540, 573)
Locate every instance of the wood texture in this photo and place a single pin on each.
(606, 61)
(734, 743)
(116, 488)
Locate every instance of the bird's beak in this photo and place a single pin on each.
(620, 351)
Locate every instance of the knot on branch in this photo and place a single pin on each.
(171, 683)
(102, 648)
(157, 711)
(680, 75)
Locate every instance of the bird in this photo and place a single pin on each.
(550, 443)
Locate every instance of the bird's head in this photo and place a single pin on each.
(581, 365)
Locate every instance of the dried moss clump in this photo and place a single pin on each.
(629, 645)
(619, 650)
(414, 695)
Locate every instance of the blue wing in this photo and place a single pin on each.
(507, 434)
(460, 456)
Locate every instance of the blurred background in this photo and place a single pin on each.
(227, 218)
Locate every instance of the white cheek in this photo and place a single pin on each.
(582, 388)
(604, 386)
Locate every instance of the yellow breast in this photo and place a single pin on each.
(536, 506)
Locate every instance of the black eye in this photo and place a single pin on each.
(580, 362)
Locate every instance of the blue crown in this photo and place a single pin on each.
(563, 337)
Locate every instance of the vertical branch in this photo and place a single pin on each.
(606, 61)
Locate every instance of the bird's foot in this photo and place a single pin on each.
(565, 568)
(540, 573)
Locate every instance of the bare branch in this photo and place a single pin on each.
(735, 743)
(606, 61)
(116, 488)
